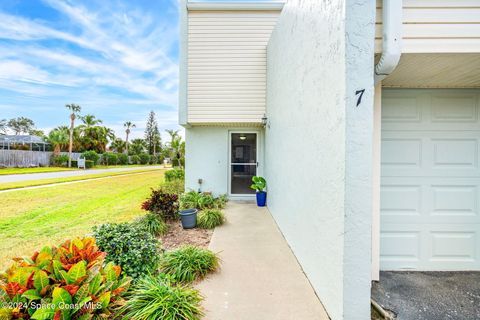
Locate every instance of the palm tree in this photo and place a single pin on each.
(173, 134)
(177, 147)
(75, 110)
(138, 146)
(90, 120)
(127, 126)
(58, 138)
(118, 145)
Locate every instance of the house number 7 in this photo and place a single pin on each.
(359, 93)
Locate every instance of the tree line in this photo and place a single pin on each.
(87, 133)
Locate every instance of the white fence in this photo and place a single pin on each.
(21, 158)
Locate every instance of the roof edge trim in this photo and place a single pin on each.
(247, 6)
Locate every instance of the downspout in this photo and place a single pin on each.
(392, 39)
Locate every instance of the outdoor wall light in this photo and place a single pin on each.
(243, 138)
(264, 120)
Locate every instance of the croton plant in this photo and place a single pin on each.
(68, 282)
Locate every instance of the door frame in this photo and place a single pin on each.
(229, 163)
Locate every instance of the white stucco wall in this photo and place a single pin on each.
(318, 145)
(207, 157)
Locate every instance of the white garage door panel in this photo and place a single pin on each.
(430, 192)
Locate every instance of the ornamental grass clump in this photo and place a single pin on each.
(71, 281)
(210, 218)
(153, 224)
(158, 297)
(189, 263)
(129, 246)
(202, 200)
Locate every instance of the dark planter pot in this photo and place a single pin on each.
(261, 198)
(189, 218)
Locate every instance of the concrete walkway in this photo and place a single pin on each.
(66, 174)
(259, 277)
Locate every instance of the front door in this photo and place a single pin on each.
(243, 162)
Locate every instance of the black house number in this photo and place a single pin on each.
(359, 93)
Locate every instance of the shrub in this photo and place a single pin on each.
(90, 155)
(109, 159)
(134, 159)
(174, 174)
(189, 263)
(74, 273)
(157, 297)
(153, 159)
(175, 186)
(130, 246)
(74, 163)
(122, 159)
(144, 158)
(60, 160)
(153, 224)
(89, 164)
(210, 218)
(162, 203)
(203, 200)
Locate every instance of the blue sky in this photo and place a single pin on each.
(117, 59)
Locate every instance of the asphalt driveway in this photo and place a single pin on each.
(429, 295)
(66, 174)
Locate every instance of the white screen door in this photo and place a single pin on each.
(243, 162)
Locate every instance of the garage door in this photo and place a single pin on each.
(430, 186)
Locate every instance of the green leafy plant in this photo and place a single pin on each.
(153, 224)
(162, 203)
(175, 174)
(135, 159)
(122, 159)
(189, 263)
(130, 246)
(144, 158)
(68, 282)
(89, 164)
(175, 186)
(60, 160)
(210, 218)
(109, 159)
(200, 201)
(259, 184)
(91, 155)
(158, 297)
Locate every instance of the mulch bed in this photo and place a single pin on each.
(177, 236)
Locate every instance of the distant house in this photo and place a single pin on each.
(23, 142)
(363, 116)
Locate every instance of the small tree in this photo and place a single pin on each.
(127, 126)
(152, 134)
(74, 111)
(21, 125)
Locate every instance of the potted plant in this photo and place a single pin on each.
(259, 184)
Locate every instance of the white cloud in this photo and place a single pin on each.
(123, 60)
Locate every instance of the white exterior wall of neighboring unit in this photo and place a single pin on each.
(440, 26)
(319, 145)
(207, 157)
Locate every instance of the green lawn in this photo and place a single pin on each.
(33, 170)
(31, 219)
(6, 171)
(41, 182)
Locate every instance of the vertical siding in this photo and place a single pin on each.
(437, 26)
(227, 65)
